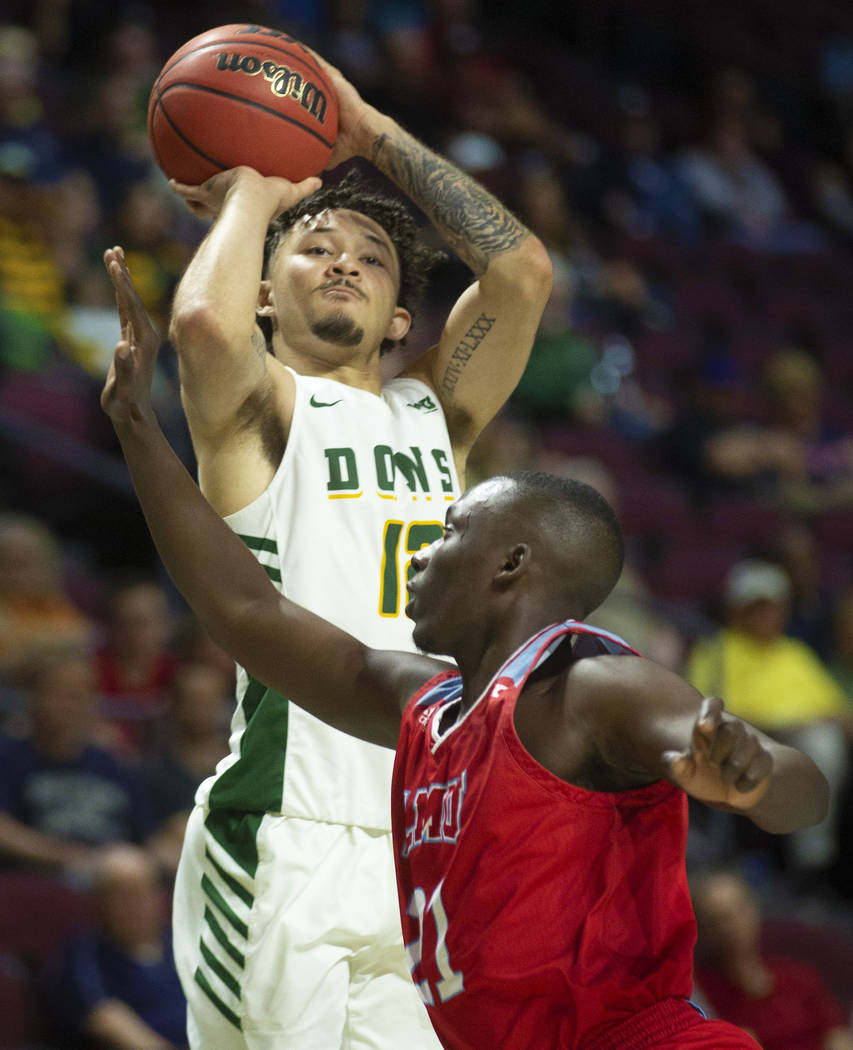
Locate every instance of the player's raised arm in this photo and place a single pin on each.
(487, 339)
(651, 723)
(325, 670)
(221, 351)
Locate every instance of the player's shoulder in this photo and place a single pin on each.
(410, 394)
(408, 381)
(603, 669)
(607, 680)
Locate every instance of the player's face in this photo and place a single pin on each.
(336, 278)
(452, 577)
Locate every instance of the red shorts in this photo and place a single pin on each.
(709, 1035)
(672, 1025)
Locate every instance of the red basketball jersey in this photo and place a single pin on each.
(535, 913)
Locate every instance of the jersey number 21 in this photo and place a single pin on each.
(450, 983)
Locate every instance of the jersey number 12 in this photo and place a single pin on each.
(418, 534)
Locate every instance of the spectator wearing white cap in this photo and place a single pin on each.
(779, 684)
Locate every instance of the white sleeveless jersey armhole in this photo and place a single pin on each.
(364, 482)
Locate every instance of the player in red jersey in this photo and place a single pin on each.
(539, 795)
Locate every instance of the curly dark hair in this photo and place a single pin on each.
(416, 259)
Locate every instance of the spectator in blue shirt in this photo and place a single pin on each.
(62, 797)
(116, 986)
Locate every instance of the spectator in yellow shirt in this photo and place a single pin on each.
(779, 684)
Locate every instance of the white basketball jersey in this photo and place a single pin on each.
(364, 482)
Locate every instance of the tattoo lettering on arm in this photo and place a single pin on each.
(464, 350)
(473, 222)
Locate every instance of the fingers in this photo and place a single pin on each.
(186, 189)
(306, 188)
(680, 765)
(122, 368)
(200, 200)
(707, 725)
(129, 304)
(291, 193)
(119, 381)
(136, 325)
(109, 384)
(206, 200)
(730, 745)
(114, 255)
(116, 264)
(740, 756)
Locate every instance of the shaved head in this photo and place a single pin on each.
(578, 530)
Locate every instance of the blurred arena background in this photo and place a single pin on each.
(689, 165)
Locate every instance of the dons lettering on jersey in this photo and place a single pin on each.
(423, 471)
(434, 813)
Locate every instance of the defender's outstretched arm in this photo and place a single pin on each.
(356, 689)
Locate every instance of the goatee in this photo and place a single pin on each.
(339, 329)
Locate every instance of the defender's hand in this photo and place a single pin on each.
(127, 390)
(727, 763)
(206, 200)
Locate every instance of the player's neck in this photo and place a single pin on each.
(482, 660)
(351, 366)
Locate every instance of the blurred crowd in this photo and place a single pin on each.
(689, 167)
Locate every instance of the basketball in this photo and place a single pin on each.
(242, 94)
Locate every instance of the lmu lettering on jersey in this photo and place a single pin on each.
(434, 813)
(422, 472)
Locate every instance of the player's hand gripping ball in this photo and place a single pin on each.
(242, 95)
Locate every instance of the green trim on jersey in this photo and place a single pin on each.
(237, 834)
(259, 543)
(263, 545)
(253, 784)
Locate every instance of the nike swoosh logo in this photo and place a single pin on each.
(323, 404)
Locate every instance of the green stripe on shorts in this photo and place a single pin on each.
(226, 1011)
(222, 937)
(222, 905)
(240, 891)
(228, 979)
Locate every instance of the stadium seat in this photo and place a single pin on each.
(693, 568)
(619, 455)
(18, 1026)
(37, 914)
(834, 530)
(744, 521)
(653, 505)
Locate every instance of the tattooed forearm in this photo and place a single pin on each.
(464, 350)
(473, 222)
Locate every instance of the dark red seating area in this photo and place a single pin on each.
(37, 915)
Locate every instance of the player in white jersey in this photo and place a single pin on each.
(285, 929)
